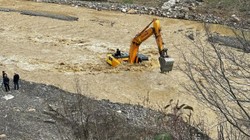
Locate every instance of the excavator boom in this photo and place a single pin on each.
(134, 47)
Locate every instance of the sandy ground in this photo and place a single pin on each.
(63, 53)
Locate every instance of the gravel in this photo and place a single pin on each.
(43, 112)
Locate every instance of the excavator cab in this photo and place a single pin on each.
(118, 57)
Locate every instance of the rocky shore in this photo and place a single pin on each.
(179, 9)
(41, 112)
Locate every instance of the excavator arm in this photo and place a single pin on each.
(134, 47)
(165, 61)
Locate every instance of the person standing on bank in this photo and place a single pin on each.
(6, 82)
(3, 73)
(15, 80)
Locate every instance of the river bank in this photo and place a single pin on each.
(178, 9)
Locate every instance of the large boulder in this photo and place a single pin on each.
(169, 4)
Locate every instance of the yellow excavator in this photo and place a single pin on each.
(166, 62)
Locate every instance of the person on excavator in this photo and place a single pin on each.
(118, 52)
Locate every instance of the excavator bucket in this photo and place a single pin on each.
(166, 64)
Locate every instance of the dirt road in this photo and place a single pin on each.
(63, 53)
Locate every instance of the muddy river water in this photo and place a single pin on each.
(71, 54)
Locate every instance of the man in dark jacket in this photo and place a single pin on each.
(3, 73)
(6, 82)
(15, 80)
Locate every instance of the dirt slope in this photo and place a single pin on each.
(42, 112)
(62, 53)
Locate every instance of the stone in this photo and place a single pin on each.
(191, 36)
(124, 10)
(132, 11)
(184, 9)
(3, 136)
(168, 4)
(234, 18)
(248, 21)
(181, 16)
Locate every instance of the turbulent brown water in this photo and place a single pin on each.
(64, 53)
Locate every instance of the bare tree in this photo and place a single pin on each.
(220, 77)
